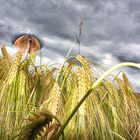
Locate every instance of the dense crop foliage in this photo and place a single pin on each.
(36, 102)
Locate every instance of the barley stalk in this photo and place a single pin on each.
(52, 103)
(81, 89)
(5, 54)
(14, 67)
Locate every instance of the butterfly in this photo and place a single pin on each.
(27, 42)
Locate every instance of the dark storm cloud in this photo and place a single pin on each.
(43, 18)
(5, 32)
(134, 6)
(107, 23)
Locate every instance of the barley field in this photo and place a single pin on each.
(71, 102)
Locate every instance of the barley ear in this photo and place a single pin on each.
(14, 68)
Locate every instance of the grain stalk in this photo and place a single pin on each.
(97, 82)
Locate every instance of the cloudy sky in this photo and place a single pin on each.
(110, 34)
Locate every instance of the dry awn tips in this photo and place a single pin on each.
(27, 43)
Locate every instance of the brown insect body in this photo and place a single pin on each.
(27, 42)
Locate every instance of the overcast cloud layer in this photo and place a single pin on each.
(111, 30)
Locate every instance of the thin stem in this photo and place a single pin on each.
(70, 49)
(40, 58)
(62, 67)
(63, 135)
(79, 36)
(97, 82)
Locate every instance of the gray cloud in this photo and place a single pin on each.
(107, 24)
